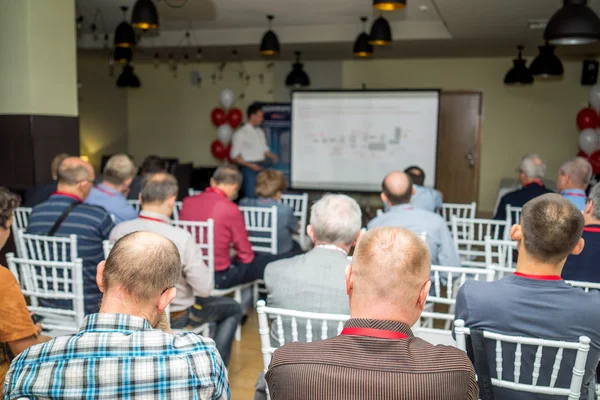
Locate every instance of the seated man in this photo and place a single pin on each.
(41, 193)
(426, 198)
(216, 202)
(63, 214)
(117, 353)
(531, 174)
(150, 165)
(270, 184)
(17, 330)
(535, 301)
(192, 306)
(574, 176)
(110, 194)
(376, 356)
(397, 192)
(584, 266)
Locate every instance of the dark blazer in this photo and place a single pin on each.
(518, 198)
(39, 194)
(361, 368)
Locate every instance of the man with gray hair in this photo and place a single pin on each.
(584, 266)
(314, 281)
(574, 176)
(531, 174)
(118, 352)
(111, 194)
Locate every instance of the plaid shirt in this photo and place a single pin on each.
(119, 356)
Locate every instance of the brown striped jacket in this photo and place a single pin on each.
(359, 367)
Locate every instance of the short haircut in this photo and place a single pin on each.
(8, 203)
(417, 175)
(144, 264)
(227, 175)
(153, 164)
(253, 109)
(595, 199)
(336, 218)
(56, 163)
(70, 173)
(269, 182)
(157, 188)
(118, 169)
(533, 166)
(579, 170)
(391, 264)
(551, 227)
(397, 198)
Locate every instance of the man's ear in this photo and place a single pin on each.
(384, 198)
(423, 295)
(589, 208)
(358, 235)
(414, 190)
(310, 231)
(165, 298)
(578, 247)
(171, 201)
(100, 275)
(516, 233)
(349, 282)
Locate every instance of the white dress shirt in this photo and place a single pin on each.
(250, 143)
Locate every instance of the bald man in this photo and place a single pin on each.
(118, 347)
(64, 214)
(397, 191)
(376, 356)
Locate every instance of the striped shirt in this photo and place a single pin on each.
(91, 224)
(119, 356)
(361, 367)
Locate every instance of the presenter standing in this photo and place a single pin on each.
(249, 149)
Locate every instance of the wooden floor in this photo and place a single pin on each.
(246, 361)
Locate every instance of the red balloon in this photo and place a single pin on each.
(234, 117)
(587, 118)
(218, 116)
(594, 159)
(218, 150)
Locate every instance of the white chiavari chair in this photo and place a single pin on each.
(193, 192)
(469, 237)
(513, 215)
(500, 256)
(177, 210)
(449, 210)
(586, 286)
(261, 224)
(135, 204)
(20, 221)
(299, 204)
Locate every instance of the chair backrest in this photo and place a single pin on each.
(177, 210)
(135, 204)
(261, 224)
(331, 325)
(499, 256)
(204, 235)
(513, 215)
(20, 221)
(193, 192)
(469, 237)
(107, 247)
(586, 286)
(47, 248)
(573, 392)
(55, 280)
(449, 210)
(441, 302)
(298, 203)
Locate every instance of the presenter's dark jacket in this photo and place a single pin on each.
(362, 367)
(585, 266)
(518, 198)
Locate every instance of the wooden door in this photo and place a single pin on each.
(457, 173)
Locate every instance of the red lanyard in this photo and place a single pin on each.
(105, 191)
(539, 277)
(574, 194)
(152, 219)
(591, 229)
(215, 190)
(376, 333)
(79, 199)
(536, 182)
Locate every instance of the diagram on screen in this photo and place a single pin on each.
(360, 143)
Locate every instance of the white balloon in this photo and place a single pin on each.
(224, 134)
(589, 141)
(227, 98)
(594, 97)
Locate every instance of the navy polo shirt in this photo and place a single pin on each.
(585, 267)
(91, 224)
(518, 198)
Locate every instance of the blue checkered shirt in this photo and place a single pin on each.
(119, 356)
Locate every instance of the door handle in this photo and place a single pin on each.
(471, 158)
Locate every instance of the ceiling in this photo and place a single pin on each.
(327, 29)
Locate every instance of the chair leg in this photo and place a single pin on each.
(254, 294)
(237, 296)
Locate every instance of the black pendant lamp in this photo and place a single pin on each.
(144, 15)
(128, 78)
(123, 54)
(381, 33)
(389, 5)
(362, 47)
(574, 23)
(269, 45)
(546, 64)
(124, 35)
(518, 74)
(297, 77)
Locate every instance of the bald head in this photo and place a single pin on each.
(397, 188)
(73, 170)
(143, 265)
(390, 269)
